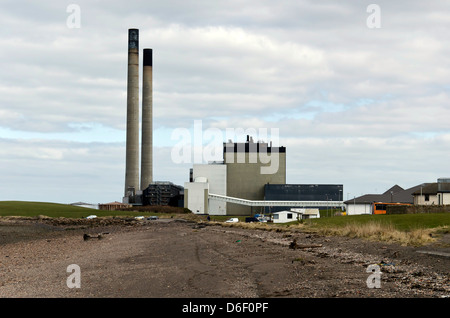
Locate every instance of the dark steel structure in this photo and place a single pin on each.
(301, 192)
(162, 193)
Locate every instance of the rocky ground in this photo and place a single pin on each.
(171, 258)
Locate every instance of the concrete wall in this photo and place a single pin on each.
(433, 199)
(420, 199)
(246, 177)
(196, 197)
(147, 120)
(216, 175)
(132, 132)
(445, 198)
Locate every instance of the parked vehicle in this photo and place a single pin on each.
(232, 220)
(262, 218)
(252, 219)
(153, 217)
(91, 217)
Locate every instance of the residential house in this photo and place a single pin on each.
(364, 203)
(295, 214)
(437, 193)
(285, 216)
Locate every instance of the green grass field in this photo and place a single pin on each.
(24, 208)
(31, 209)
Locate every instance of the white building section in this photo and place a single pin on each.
(444, 198)
(308, 213)
(359, 208)
(196, 195)
(216, 176)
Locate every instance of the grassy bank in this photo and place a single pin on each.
(406, 229)
(401, 222)
(33, 209)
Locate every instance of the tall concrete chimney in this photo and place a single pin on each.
(132, 147)
(147, 121)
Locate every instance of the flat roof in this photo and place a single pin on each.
(251, 147)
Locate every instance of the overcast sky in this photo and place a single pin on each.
(359, 96)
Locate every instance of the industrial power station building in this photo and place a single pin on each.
(245, 169)
(251, 179)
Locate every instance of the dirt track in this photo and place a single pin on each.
(176, 258)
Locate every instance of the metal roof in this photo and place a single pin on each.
(395, 194)
(433, 188)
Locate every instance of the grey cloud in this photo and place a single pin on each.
(313, 69)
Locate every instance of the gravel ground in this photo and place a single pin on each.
(170, 258)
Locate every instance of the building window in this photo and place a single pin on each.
(427, 197)
(289, 215)
(275, 216)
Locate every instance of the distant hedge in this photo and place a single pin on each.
(158, 209)
(414, 209)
